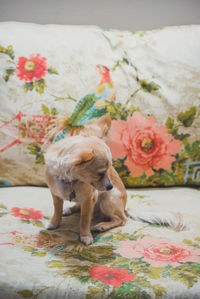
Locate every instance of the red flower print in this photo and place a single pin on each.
(31, 68)
(146, 145)
(112, 276)
(27, 214)
(34, 240)
(159, 252)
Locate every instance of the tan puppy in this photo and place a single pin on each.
(80, 167)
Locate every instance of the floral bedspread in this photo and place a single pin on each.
(135, 261)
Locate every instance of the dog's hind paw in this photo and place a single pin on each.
(87, 240)
(101, 227)
(67, 212)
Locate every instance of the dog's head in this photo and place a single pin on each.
(85, 157)
(90, 163)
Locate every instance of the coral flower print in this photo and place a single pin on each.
(27, 214)
(31, 68)
(145, 144)
(159, 252)
(112, 276)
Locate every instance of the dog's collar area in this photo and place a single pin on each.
(68, 182)
(70, 186)
(72, 195)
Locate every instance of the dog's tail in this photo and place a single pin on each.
(172, 220)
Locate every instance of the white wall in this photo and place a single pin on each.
(121, 14)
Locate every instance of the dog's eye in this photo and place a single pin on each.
(101, 174)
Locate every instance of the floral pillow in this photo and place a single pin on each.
(147, 81)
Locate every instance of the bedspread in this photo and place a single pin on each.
(137, 260)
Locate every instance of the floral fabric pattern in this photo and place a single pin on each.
(137, 260)
(26, 214)
(34, 67)
(157, 252)
(147, 146)
(150, 87)
(50, 92)
(114, 277)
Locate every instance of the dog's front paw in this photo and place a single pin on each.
(51, 225)
(87, 240)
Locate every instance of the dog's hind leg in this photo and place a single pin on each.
(114, 222)
(111, 206)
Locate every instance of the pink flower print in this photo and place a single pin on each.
(159, 252)
(145, 144)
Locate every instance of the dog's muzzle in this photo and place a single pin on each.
(107, 183)
(103, 185)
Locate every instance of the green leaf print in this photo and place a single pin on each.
(39, 85)
(51, 70)
(170, 124)
(187, 277)
(35, 149)
(3, 210)
(117, 111)
(54, 111)
(94, 291)
(8, 51)
(193, 150)
(124, 61)
(158, 290)
(149, 86)
(28, 86)
(168, 177)
(125, 291)
(187, 117)
(45, 110)
(9, 72)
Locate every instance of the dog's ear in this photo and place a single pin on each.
(82, 157)
(104, 123)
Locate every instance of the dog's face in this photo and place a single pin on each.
(84, 157)
(90, 164)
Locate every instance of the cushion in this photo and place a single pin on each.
(54, 79)
(137, 260)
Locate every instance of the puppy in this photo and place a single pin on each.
(80, 167)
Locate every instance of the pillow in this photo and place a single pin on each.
(55, 78)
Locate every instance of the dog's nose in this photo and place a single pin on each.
(109, 187)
